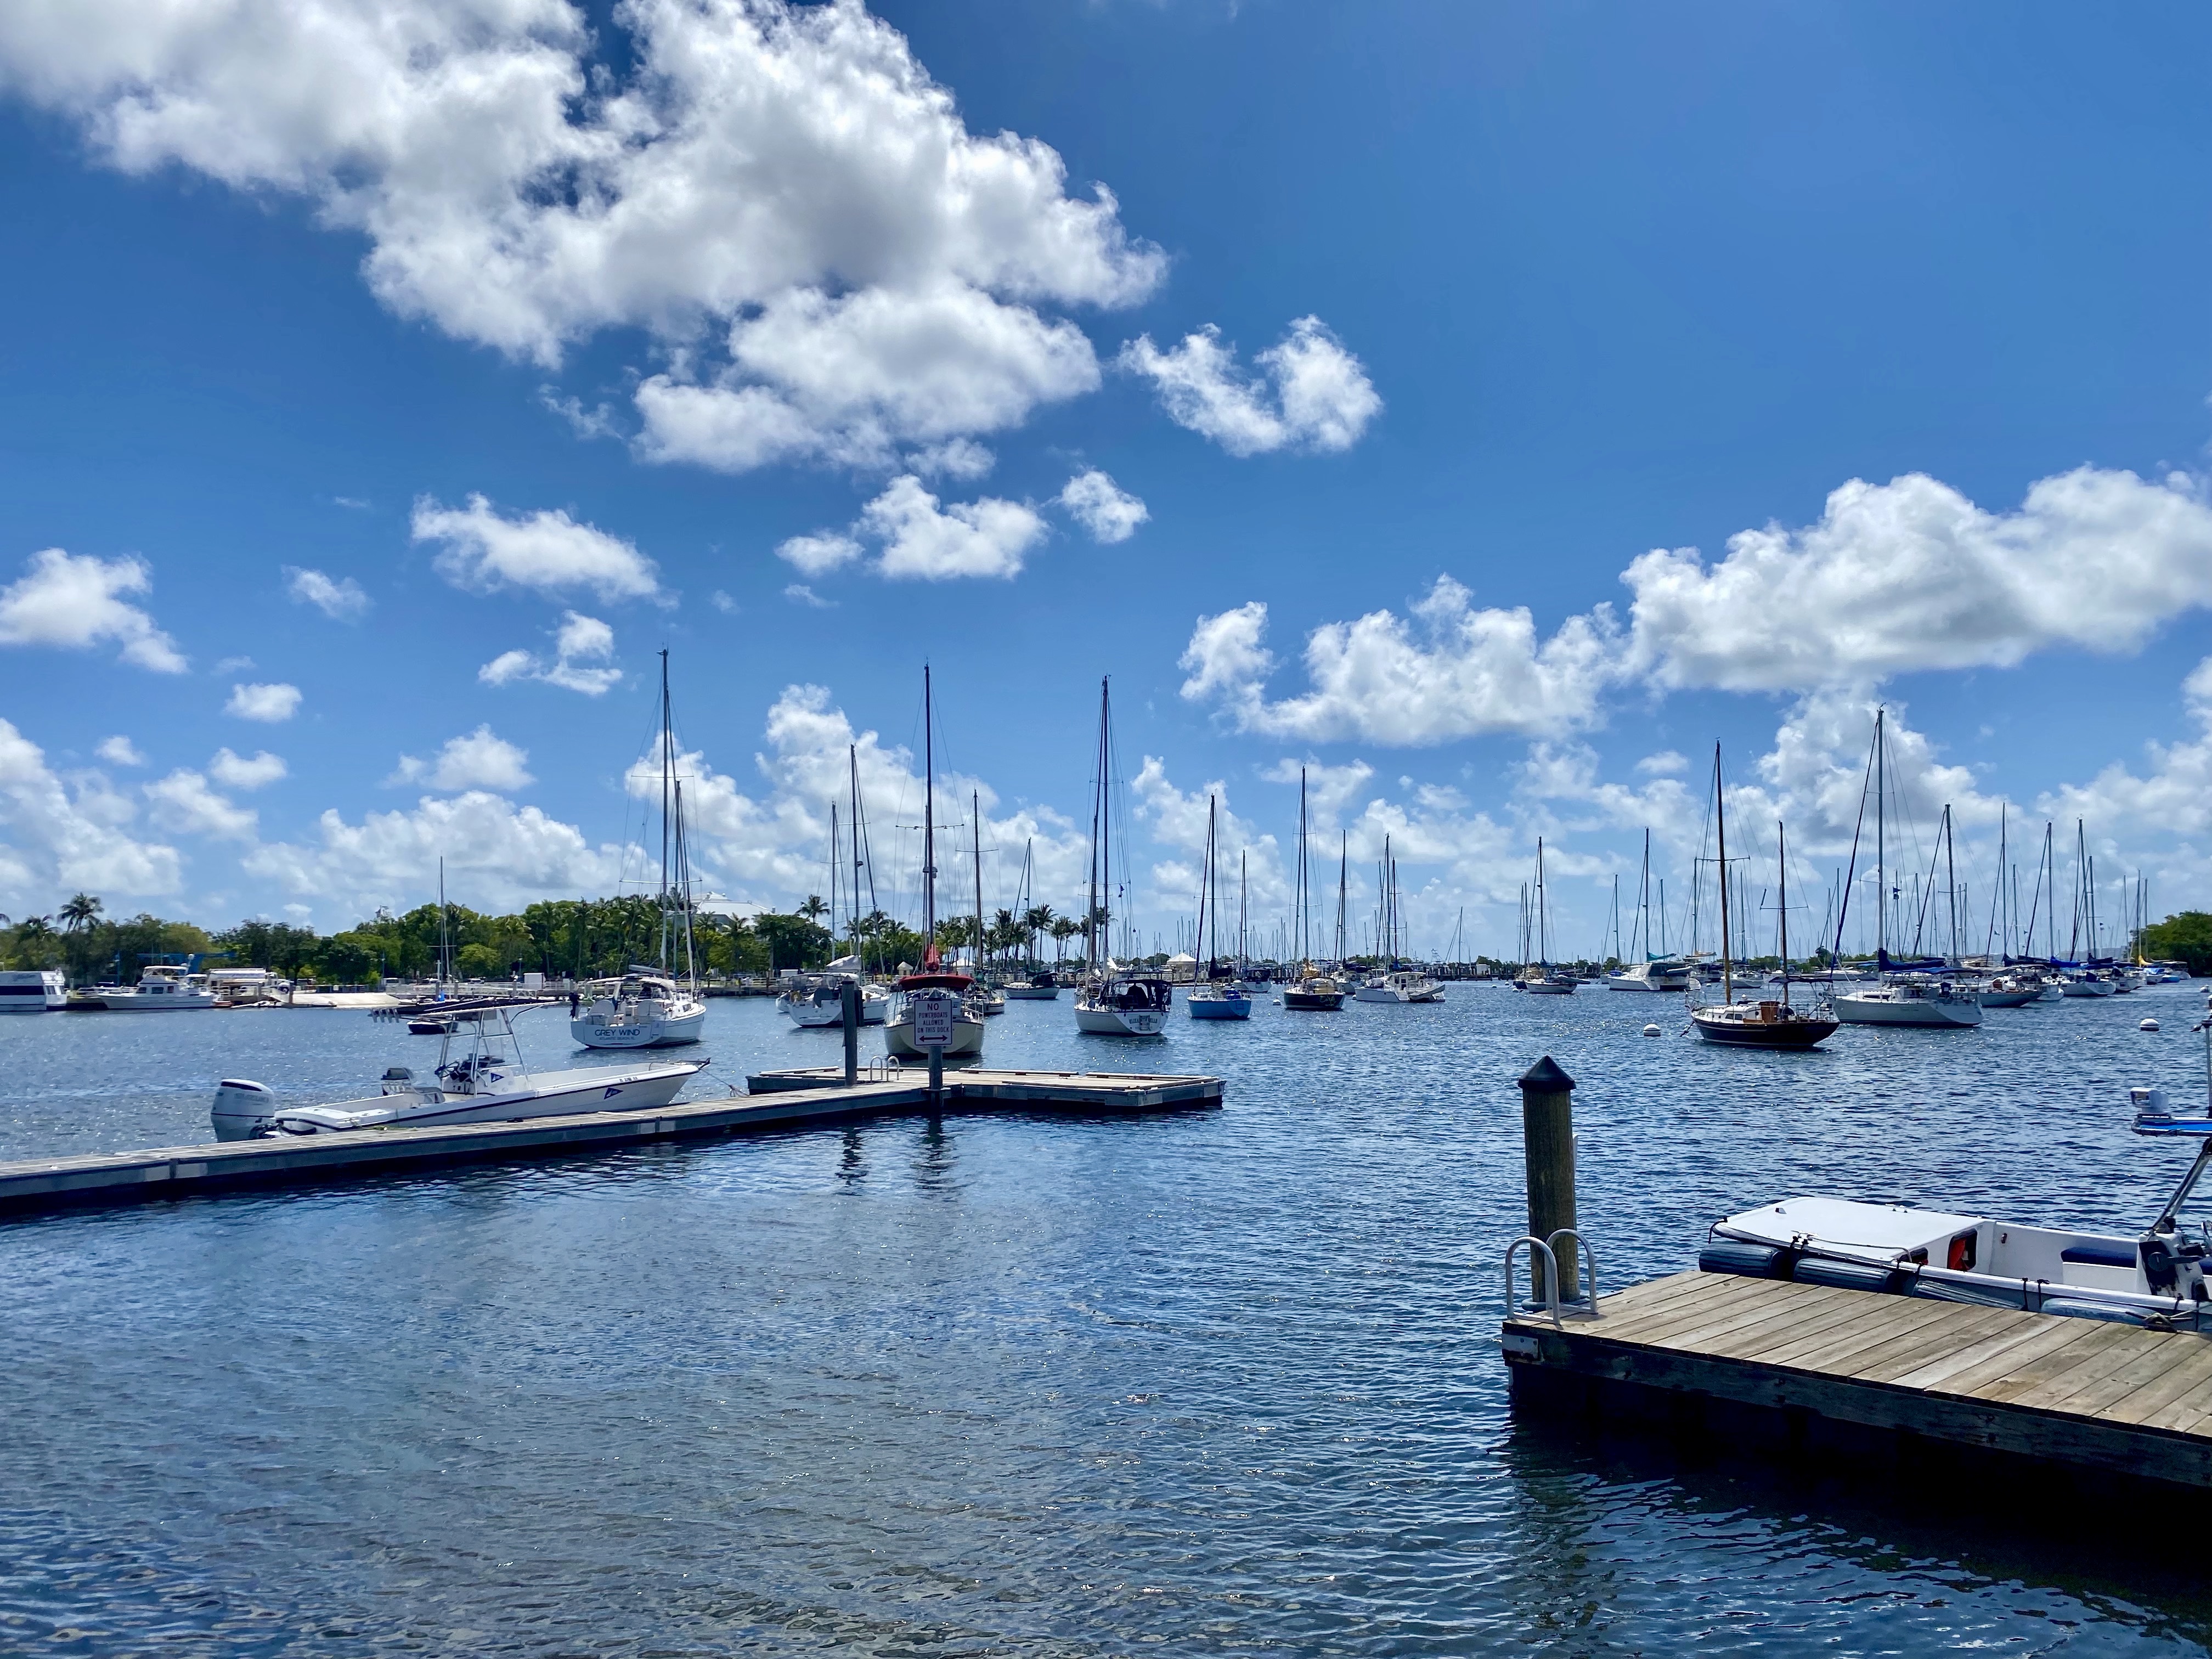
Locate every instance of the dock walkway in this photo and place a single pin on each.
(780, 1100)
(2104, 1397)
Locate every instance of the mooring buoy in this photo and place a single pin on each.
(1651, 1031)
(2147, 1026)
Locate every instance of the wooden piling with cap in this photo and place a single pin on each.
(1547, 1140)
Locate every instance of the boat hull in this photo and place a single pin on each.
(1033, 993)
(2010, 999)
(655, 1032)
(1953, 1016)
(1206, 1007)
(1546, 988)
(1096, 1021)
(967, 1038)
(1799, 1033)
(1312, 1002)
(244, 1112)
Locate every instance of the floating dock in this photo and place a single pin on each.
(1694, 1349)
(780, 1100)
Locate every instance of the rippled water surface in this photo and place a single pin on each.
(1222, 1382)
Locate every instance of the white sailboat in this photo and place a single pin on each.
(935, 977)
(1115, 1001)
(1545, 982)
(486, 1083)
(648, 1007)
(1655, 970)
(1394, 982)
(1309, 990)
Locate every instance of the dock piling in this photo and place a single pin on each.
(1547, 1137)
(851, 1000)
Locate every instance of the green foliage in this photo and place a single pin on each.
(792, 941)
(2185, 937)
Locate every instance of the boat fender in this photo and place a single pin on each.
(1738, 1255)
(1847, 1275)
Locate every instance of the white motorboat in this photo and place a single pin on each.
(2155, 1277)
(643, 1009)
(1668, 973)
(648, 1007)
(1037, 988)
(1918, 999)
(33, 991)
(1128, 1003)
(162, 989)
(481, 1084)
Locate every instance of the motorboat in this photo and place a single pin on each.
(1041, 987)
(162, 988)
(1313, 992)
(2154, 1278)
(485, 1082)
(33, 991)
(1125, 1004)
(246, 988)
(1666, 974)
(1218, 1000)
(1925, 1000)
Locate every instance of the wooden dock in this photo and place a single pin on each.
(780, 1100)
(1697, 1348)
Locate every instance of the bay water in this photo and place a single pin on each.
(1206, 1382)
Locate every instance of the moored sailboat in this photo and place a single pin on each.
(934, 978)
(1765, 1022)
(1217, 995)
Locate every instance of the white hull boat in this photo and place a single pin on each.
(645, 1010)
(32, 991)
(480, 1086)
(1125, 1005)
(1546, 986)
(2086, 985)
(1400, 987)
(821, 1002)
(1929, 1006)
(1040, 989)
(163, 990)
(1674, 977)
(967, 1036)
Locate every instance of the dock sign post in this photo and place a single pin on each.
(933, 1029)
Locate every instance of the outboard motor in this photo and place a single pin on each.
(242, 1109)
(2174, 1265)
(399, 1081)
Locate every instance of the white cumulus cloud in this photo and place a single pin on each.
(339, 597)
(481, 551)
(1313, 394)
(476, 760)
(1109, 513)
(780, 190)
(65, 835)
(75, 602)
(270, 703)
(238, 772)
(985, 538)
(819, 554)
(1453, 671)
(119, 750)
(1910, 576)
(184, 803)
(582, 646)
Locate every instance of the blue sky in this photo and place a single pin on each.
(1583, 283)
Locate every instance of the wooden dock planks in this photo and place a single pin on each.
(2104, 1396)
(179, 1171)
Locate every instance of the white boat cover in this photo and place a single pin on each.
(1877, 1232)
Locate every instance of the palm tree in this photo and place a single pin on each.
(1038, 918)
(81, 911)
(1062, 929)
(815, 908)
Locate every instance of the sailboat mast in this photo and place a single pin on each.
(853, 768)
(1200, 941)
(1782, 866)
(1720, 827)
(1543, 933)
(1305, 926)
(975, 825)
(1242, 893)
(1951, 883)
(1097, 795)
(1880, 846)
(928, 822)
(1343, 872)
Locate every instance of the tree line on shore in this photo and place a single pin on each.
(586, 938)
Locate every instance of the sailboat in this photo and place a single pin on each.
(1217, 995)
(1309, 991)
(1656, 971)
(1042, 985)
(1929, 1002)
(1393, 981)
(983, 998)
(1115, 1001)
(1543, 981)
(648, 1007)
(1768, 1022)
(966, 1027)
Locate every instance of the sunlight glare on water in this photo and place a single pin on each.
(1215, 1382)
